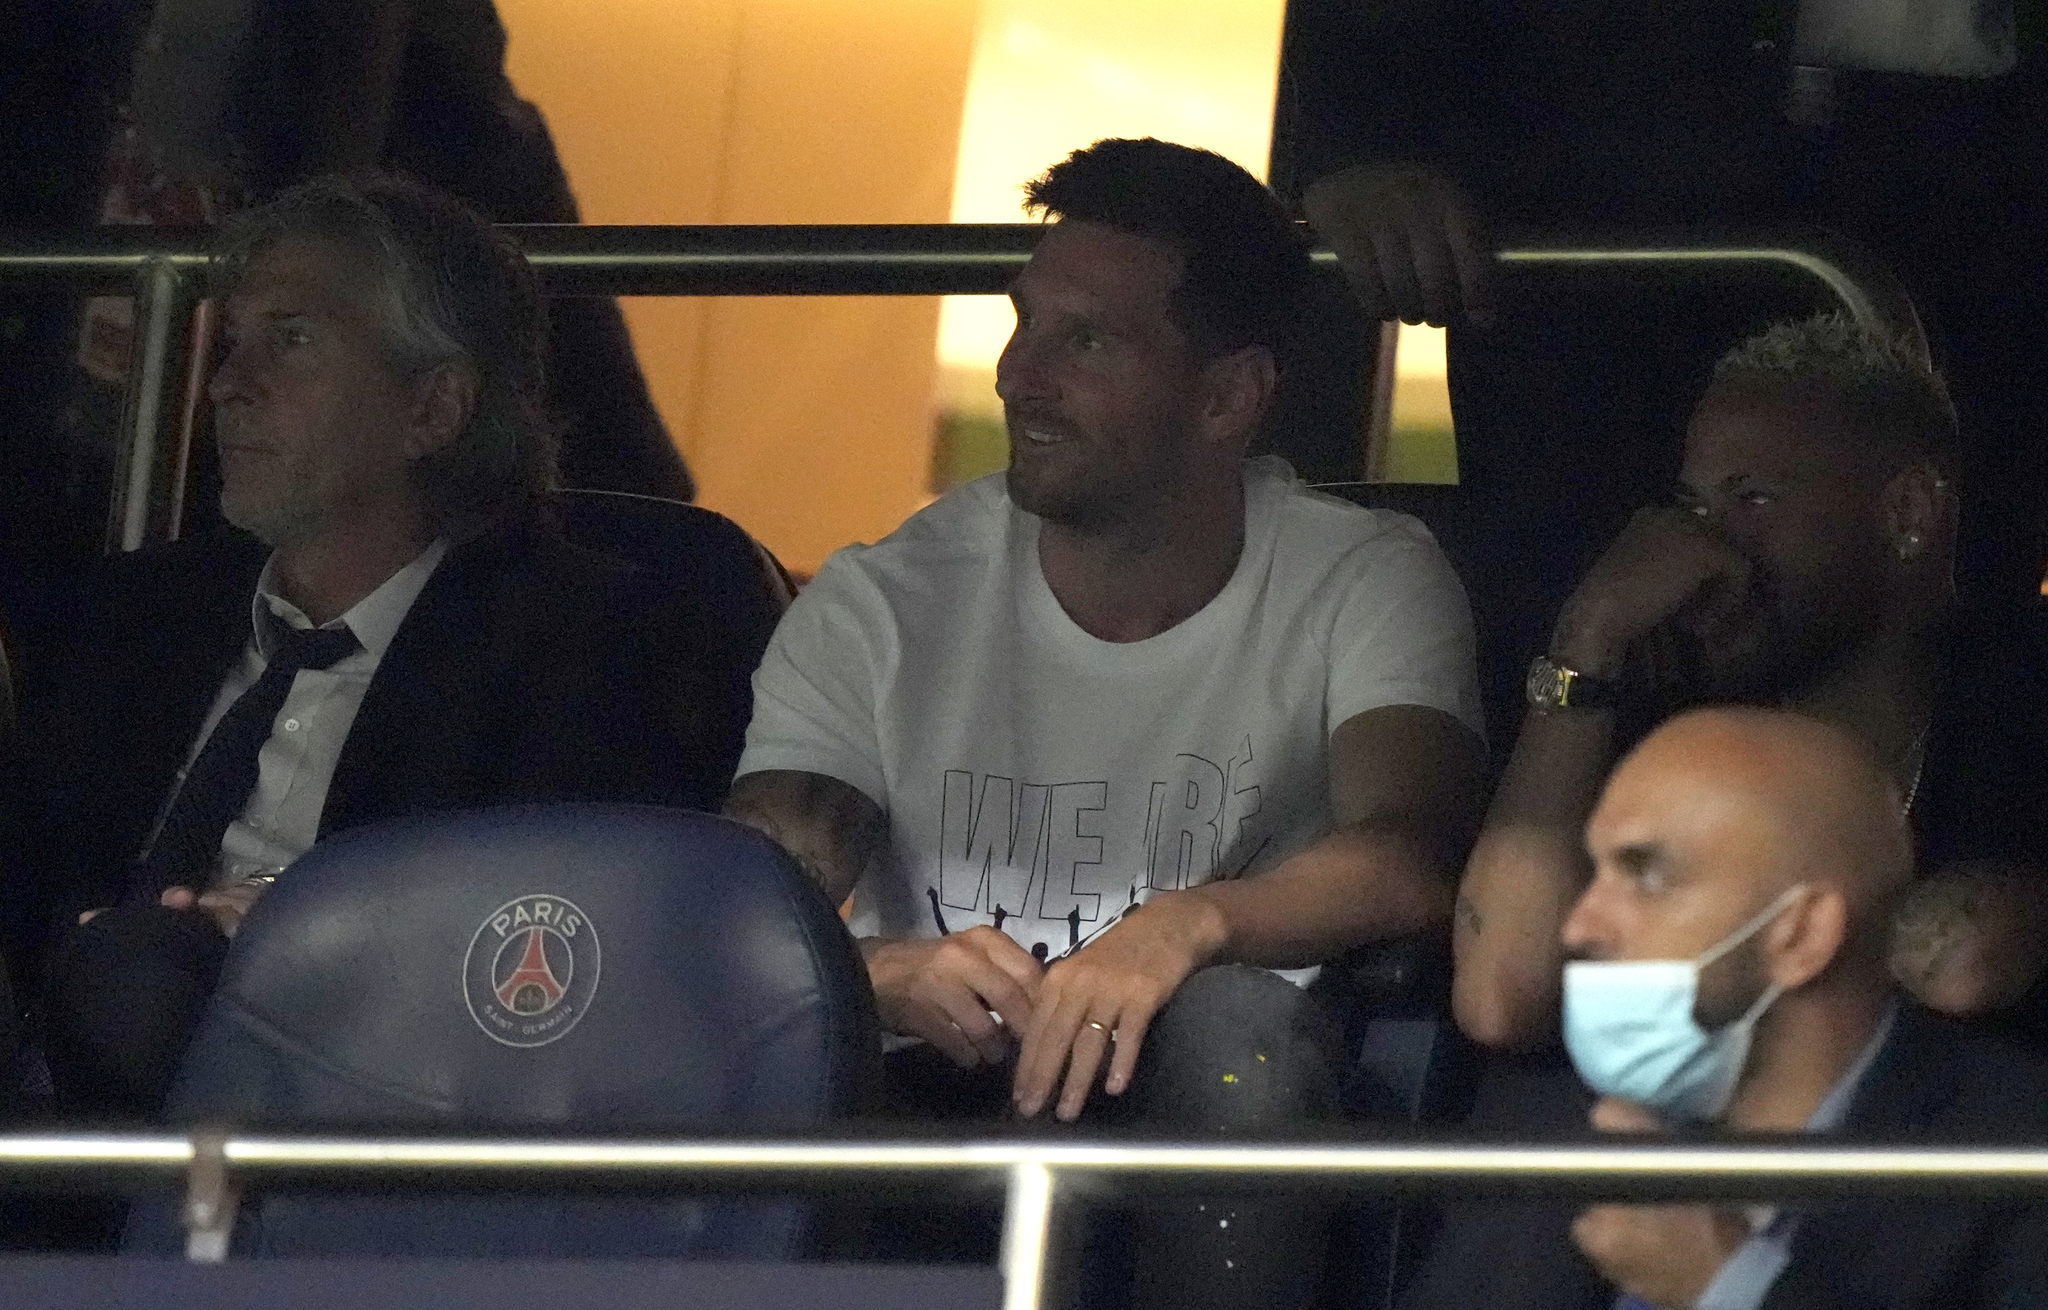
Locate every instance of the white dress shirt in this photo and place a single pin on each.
(296, 765)
(1937, 38)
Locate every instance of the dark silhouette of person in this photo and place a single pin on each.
(252, 96)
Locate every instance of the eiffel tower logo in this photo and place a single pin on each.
(531, 988)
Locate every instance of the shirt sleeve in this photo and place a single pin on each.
(1745, 1279)
(1403, 632)
(816, 691)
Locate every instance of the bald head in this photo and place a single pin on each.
(1720, 812)
(1814, 792)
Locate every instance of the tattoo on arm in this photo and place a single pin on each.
(764, 821)
(833, 832)
(1469, 920)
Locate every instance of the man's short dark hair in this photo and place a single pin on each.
(452, 289)
(1245, 270)
(1889, 388)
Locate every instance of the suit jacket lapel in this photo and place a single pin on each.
(190, 656)
(208, 649)
(1904, 1091)
(1874, 1253)
(414, 739)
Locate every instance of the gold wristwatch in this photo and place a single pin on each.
(1554, 686)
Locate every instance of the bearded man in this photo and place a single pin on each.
(1808, 562)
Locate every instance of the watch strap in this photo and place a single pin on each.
(1555, 685)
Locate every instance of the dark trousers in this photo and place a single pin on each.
(123, 997)
(1237, 1053)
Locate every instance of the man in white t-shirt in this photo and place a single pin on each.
(1140, 707)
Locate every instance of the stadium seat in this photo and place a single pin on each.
(1440, 506)
(1410, 1069)
(7, 698)
(619, 970)
(686, 545)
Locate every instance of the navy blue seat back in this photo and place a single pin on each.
(597, 969)
(7, 708)
(684, 545)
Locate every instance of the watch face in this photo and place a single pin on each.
(1546, 684)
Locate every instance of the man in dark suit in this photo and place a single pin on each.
(1730, 976)
(417, 637)
(173, 111)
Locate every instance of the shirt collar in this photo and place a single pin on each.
(1834, 1107)
(374, 619)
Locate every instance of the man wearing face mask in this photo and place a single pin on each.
(1730, 975)
(1807, 563)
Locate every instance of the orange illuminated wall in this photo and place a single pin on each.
(808, 420)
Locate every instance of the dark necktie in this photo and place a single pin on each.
(218, 785)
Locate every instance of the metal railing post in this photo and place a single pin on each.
(149, 457)
(210, 1201)
(1027, 1234)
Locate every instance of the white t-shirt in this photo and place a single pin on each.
(1937, 38)
(1040, 778)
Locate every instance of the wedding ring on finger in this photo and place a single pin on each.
(1102, 1028)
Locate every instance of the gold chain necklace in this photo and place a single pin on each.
(1917, 752)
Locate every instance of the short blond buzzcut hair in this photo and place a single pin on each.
(1885, 380)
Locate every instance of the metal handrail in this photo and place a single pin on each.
(1034, 1174)
(1633, 1169)
(164, 269)
(930, 259)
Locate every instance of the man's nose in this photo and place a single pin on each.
(1585, 931)
(230, 378)
(1020, 372)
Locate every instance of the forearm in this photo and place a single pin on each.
(830, 828)
(1356, 885)
(1971, 939)
(1525, 871)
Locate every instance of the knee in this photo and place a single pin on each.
(122, 997)
(1238, 1049)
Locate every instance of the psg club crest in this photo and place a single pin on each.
(531, 970)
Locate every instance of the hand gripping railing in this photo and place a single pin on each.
(1036, 1175)
(163, 269)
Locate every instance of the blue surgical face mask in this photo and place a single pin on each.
(1630, 1029)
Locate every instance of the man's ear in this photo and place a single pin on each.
(1802, 942)
(1239, 389)
(1918, 506)
(443, 398)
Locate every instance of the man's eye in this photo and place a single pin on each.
(1697, 509)
(1757, 499)
(1083, 339)
(290, 334)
